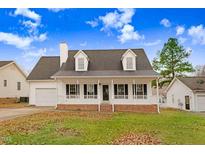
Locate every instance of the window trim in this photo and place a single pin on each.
(135, 91)
(131, 66)
(81, 62)
(90, 91)
(76, 91)
(5, 83)
(121, 94)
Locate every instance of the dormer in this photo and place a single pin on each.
(81, 61)
(129, 60)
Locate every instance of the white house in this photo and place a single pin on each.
(187, 93)
(114, 80)
(13, 83)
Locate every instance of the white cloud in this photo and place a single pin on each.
(32, 26)
(182, 40)
(28, 13)
(32, 54)
(83, 44)
(117, 19)
(198, 34)
(12, 39)
(41, 37)
(165, 22)
(56, 9)
(157, 42)
(93, 23)
(128, 34)
(180, 30)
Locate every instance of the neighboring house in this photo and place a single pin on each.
(187, 93)
(114, 80)
(13, 82)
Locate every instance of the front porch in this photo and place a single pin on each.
(105, 93)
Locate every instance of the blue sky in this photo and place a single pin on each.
(27, 34)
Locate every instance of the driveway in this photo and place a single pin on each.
(10, 113)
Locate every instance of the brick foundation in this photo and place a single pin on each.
(78, 107)
(136, 108)
(108, 108)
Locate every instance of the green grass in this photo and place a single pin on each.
(171, 127)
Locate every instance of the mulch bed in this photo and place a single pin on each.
(137, 139)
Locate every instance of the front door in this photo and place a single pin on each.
(187, 103)
(105, 92)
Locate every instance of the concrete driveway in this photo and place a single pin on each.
(10, 113)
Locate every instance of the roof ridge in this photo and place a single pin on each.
(106, 49)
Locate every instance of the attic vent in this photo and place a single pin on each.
(200, 81)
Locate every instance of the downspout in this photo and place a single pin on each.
(157, 81)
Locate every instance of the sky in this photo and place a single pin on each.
(28, 34)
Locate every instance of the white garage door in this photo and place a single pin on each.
(46, 96)
(201, 102)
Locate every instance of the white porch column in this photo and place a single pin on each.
(157, 81)
(99, 93)
(112, 89)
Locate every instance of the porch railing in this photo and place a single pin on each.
(139, 96)
(90, 96)
(121, 96)
(72, 96)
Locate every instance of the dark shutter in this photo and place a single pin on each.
(67, 89)
(145, 89)
(126, 89)
(95, 89)
(85, 89)
(115, 89)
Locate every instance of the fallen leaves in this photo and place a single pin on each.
(68, 132)
(137, 139)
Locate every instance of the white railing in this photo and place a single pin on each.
(121, 96)
(90, 96)
(139, 96)
(72, 96)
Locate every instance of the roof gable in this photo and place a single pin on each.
(4, 63)
(127, 52)
(80, 52)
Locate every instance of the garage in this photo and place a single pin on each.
(46, 96)
(201, 102)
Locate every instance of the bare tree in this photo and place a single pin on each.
(200, 70)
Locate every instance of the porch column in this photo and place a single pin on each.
(99, 99)
(157, 81)
(112, 89)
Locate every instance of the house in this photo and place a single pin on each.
(187, 93)
(13, 83)
(111, 80)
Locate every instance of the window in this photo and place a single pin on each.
(5, 83)
(120, 91)
(81, 63)
(90, 91)
(129, 62)
(18, 85)
(172, 99)
(139, 91)
(73, 91)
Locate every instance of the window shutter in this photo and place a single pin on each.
(126, 89)
(67, 89)
(95, 89)
(115, 89)
(85, 89)
(145, 89)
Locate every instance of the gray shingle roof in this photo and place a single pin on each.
(3, 63)
(107, 63)
(101, 63)
(45, 68)
(194, 83)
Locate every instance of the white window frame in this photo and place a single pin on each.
(90, 91)
(18, 86)
(129, 63)
(73, 92)
(121, 94)
(139, 88)
(5, 83)
(81, 63)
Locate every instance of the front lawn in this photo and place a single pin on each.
(59, 127)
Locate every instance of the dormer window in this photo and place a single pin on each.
(81, 65)
(81, 61)
(129, 60)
